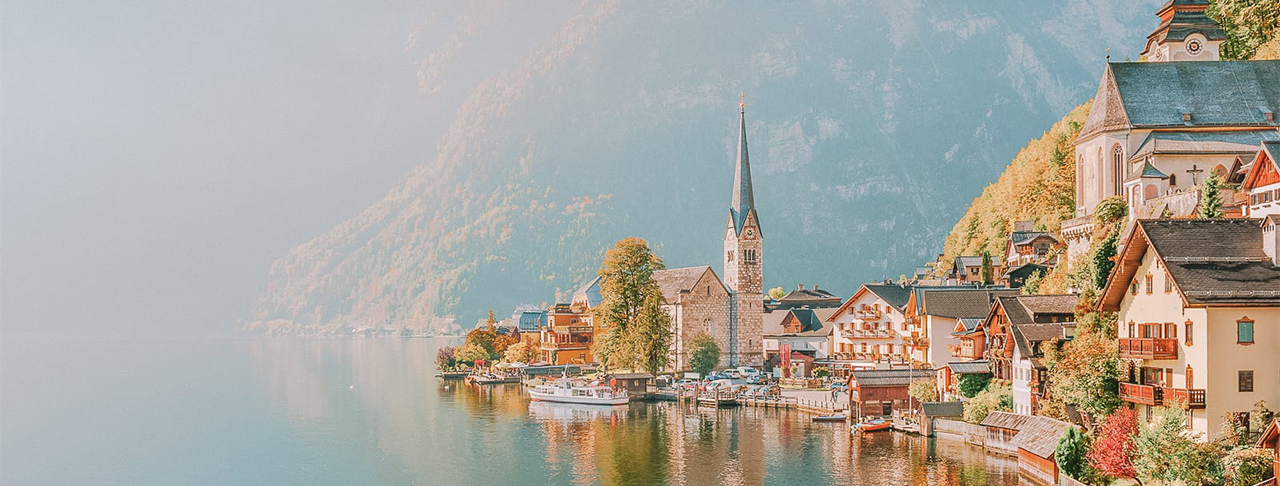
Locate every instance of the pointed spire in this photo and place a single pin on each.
(743, 201)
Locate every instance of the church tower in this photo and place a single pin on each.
(1186, 33)
(744, 263)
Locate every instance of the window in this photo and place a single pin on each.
(1244, 331)
(1133, 288)
(1132, 330)
(1168, 377)
(1149, 285)
(1191, 382)
(1187, 335)
(1173, 180)
(1170, 330)
(1117, 168)
(1168, 283)
(728, 255)
(1246, 381)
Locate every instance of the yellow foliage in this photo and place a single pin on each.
(1038, 185)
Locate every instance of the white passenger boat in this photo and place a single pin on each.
(566, 391)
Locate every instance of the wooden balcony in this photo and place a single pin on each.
(867, 315)
(1148, 348)
(959, 351)
(1144, 394)
(1193, 398)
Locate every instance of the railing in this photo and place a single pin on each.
(1193, 398)
(1144, 394)
(551, 345)
(867, 314)
(1148, 348)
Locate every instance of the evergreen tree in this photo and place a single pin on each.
(1070, 454)
(987, 278)
(1210, 197)
(490, 323)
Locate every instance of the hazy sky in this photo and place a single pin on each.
(155, 157)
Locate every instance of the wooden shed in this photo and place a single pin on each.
(930, 411)
(1036, 442)
(1002, 427)
(880, 392)
(636, 384)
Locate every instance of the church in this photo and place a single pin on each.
(731, 311)
(1158, 128)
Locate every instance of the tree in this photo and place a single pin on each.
(987, 277)
(490, 323)
(1248, 24)
(704, 354)
(626, 281)
(777, 293)
(1070, 455)
(482, 338)
(525, 351)
(970, 385)
(444, 358)
(1085, 372)
(650, 334)
(923, 390)
(1161, 452)
(1102, 259)
(1210, 197)
(1031, 286)
(1112, 452)
(1261, 416)
(501, 343)
(470, 353)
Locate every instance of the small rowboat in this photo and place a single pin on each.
(830, 418)
(872, 426)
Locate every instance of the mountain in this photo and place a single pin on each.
(870, 124)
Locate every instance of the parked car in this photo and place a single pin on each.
(731, 373)
(748, 371)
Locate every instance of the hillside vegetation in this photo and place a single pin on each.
(1039, 185)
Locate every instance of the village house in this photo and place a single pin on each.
(880, 392)
(968, 270)
(529, 320)
(801, 297)
(1199, 316)
(568, 335)
(1156, 129)
(869, 329)
(933, 313)
(1015, 277)
(803, 331)
(1261, 186)
(1017, 328)
(1025, 245)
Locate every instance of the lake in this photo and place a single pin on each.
(272, 411)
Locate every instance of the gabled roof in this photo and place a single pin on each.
(1158, 94)
(1026, 269)
(1017, 238)
(1039, 435)
(673, 281)
(806, 296)
(589, 292)
(1267, 160)
(813, 320)
(971, 261)
(898, 377)
(1026, 335)
(1211, 261)
(893, 294)
(958, 304)
(967, 326)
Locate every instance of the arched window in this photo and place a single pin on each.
(1080, 180)
(1151, 192)
(1173, 180)
(1099, 176)
(1117, 168)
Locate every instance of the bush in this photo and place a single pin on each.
(704, 354)
(820, 372)
(996, 397)
(923, 390)
(971, 385)
(1247, 466)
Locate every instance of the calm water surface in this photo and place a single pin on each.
(368, 412)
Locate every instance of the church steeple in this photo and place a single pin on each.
(743, 204)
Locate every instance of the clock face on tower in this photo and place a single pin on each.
(750, 232)
(1194, 46)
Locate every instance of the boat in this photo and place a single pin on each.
(871, 426)
(452, 375)
(567, 391)
(838, 417)
(490, 379)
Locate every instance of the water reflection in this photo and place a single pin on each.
(381, 393)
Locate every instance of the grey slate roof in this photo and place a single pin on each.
(809, 297)
(743, 203)
(1240, 142)
(1005, 420)
(672, 281)
(902, 377)
(969, 367)
(1216, 260)
(971, 261)
(970, 325)
(1025, 336)
(1039, 435)
(943, 409)
(895, 295)
(958, 304)
(814, 321)
(1157, 94)
(1023, 237)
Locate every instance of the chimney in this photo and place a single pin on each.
(815, 287)
(799, 286)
